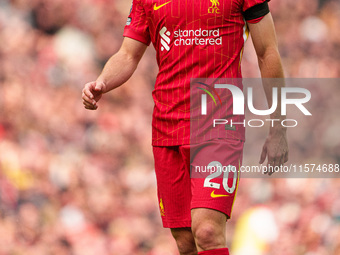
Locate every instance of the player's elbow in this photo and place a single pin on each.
(268, 53)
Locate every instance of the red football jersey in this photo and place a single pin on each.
(193, 39)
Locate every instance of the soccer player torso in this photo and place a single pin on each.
(193, 39)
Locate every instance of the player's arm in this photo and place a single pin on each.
(265, 44)
(116, 71)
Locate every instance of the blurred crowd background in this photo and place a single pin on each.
(78, 182)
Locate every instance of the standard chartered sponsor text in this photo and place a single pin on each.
(197, 37)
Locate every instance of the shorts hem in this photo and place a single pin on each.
(176, 224)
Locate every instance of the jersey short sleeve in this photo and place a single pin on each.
(250, 3)
(255, 10)
(137, 26)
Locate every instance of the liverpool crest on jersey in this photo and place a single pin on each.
(214, 8)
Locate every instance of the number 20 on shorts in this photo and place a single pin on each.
(217, 169)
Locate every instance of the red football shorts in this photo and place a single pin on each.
(202, 175)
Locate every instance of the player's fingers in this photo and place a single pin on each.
(281, 158)
(91, 107)
(271, 166)
(272, 163)
(89, 88)
(86, 97)
(277, 163)
(88, 105)
(87, 91)
(286, 157)
(88, 100)
(263, 154)
(272, 159)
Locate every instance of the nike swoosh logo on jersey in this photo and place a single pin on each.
(155, 7)
(213, 195)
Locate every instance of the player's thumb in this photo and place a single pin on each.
(99, 86)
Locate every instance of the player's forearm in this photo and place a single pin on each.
(270, 63)
(273, 77)
(117, 70)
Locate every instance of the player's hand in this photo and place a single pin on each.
(275, 149)
(92, 93)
